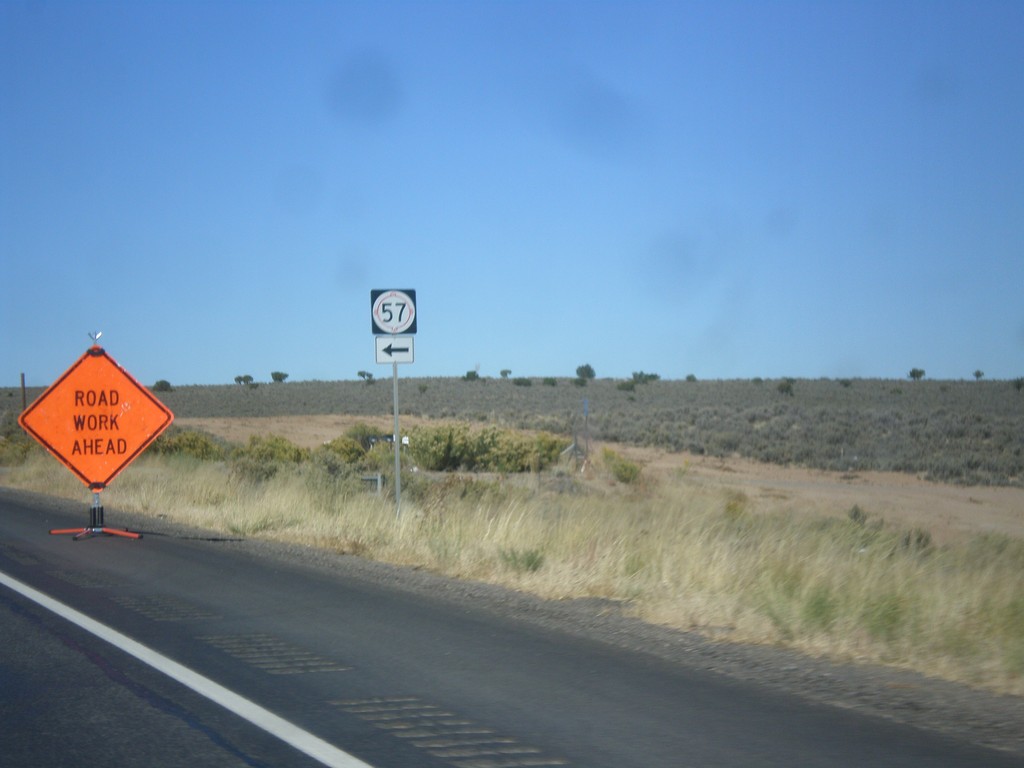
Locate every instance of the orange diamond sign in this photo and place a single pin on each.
(96, 419)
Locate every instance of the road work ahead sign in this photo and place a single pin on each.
(96, 419)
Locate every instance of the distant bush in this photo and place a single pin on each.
(163, 386)
(441, 449)
(622, 469)
(471, 376)
(191, 443)
(453, 447)
(263, 457)
(644, 378)
(347, 449)
(278, 376)
(522, 381)
(550, 381)
(363, 434)
(273, 448)
(585, 371)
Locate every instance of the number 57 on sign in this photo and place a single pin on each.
(393, 311)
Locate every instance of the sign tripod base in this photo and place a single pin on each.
(96, 525)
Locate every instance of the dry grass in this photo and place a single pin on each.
(672, 551)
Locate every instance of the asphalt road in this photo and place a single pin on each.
(340, 667)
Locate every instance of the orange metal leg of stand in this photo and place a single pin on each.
(81, 533)
(96, 525)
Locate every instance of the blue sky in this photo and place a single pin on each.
(729, 189)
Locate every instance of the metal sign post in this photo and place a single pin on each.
(398, 445)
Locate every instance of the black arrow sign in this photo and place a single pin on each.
(391, 349)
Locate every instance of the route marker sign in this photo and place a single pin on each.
(96, 419)
(395, 349)
(393, 311)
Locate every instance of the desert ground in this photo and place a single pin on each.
(946, 512)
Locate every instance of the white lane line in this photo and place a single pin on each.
(302, 740)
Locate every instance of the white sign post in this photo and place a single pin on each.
(393, 312)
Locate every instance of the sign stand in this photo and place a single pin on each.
(96, 419)
(96, 525)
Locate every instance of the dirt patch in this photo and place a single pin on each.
(947, 512)
(304, 431)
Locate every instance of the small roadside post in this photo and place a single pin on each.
(393, 322)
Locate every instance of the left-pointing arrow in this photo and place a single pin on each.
(394, 349)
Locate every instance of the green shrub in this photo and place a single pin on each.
(452, 447)
(585, 371)
(347, 449)
(191, 443)
(916, 540)
(510, 451)
(363, 434)
(439, 449)
(273, 448)
(528, 560)
(644, 378)
(522, 381)
(622, 469)
(380, 458)
(263, 457)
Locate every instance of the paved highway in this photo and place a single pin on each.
(181, 649)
